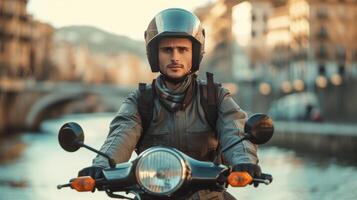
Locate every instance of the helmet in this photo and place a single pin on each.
(174, 22)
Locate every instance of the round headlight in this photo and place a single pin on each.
(160, 171)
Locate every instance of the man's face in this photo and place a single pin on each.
(175, 56)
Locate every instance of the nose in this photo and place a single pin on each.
(175, 56)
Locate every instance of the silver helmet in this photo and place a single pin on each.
(174, 22)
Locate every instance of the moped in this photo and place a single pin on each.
(165, 172)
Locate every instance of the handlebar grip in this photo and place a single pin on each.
(268, 177)
(263, 178)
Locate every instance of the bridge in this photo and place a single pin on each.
(24, 104)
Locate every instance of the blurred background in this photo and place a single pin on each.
(296, 60)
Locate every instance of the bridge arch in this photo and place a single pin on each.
(37, 112)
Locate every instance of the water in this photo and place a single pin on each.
(43, 165)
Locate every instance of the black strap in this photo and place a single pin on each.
(146, 104)
(209, 100)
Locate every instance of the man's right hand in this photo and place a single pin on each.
(93, 171)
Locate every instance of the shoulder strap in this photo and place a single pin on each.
(209, 100)
(146, 104)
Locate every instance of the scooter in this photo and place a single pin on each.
(165, 172)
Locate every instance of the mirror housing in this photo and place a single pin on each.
(71, 136)
(259, 128)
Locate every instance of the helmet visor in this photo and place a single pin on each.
(178, 21)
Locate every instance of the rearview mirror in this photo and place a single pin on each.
(259, 128)
(71, 136)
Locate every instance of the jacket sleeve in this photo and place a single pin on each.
(125, 131)
(230, 128)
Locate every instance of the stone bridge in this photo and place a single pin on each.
(25, 104)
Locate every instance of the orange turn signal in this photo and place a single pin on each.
(239, 179)
(83, 184)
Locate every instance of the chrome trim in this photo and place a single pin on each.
(172, 151)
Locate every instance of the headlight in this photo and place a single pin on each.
(160, 171)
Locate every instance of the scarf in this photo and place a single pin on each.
(173, 99)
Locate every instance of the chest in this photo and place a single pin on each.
(186, 130)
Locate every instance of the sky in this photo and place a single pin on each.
(124, 17)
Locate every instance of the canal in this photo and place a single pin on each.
(42, 164)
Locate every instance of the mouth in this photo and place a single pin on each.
(173, 66)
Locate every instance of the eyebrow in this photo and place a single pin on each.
(173, 47)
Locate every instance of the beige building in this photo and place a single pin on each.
(323, 38)
(306, 39)
(24, 43)
(41, 47)
(249, 27)
(217, 21)
(235, 36)
(279, 37)
(15, 37)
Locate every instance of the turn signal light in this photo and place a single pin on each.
(239, 179)
(83, 184)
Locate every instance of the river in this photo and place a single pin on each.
(35, 174)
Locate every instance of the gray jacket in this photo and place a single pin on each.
(186, 130)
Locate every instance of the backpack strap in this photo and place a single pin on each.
(209, 94)
(146, 104)
(209, 100)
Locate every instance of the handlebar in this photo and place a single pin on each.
(81, 184)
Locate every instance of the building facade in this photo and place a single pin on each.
(217, 22)
(24, 42)
(323, 43)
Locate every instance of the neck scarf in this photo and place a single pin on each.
(173, 99)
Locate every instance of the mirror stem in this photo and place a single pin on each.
(110, 160)
(230, 146)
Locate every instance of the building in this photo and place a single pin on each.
(41, 47)
(15, 37)
(278, 42)
(24, 42)
(235, 37)
(249, 27)
(217, 22)
(323, 40)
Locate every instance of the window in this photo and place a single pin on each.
(322, 13)
(322, 69)
(253, 33)
(340, 53)
(2, 46)
(254, 17)
(265, 17)
(322, 34)
(322, 52)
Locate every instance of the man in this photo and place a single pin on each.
(175, 46)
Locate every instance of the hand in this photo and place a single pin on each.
(253, 170)
(93, 171)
